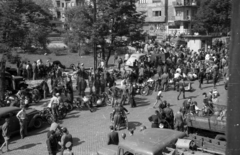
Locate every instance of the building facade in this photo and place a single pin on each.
(167, 17)
(156, 16)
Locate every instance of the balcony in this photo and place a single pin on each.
(185, 4)
(183, 18)
(177, 32)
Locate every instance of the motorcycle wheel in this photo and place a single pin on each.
(70, 107)
(108, 101)
(49, 119)
(62, 113)
(145, 91)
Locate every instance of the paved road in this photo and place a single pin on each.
(90, 129)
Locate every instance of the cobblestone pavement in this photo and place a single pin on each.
(89, 130)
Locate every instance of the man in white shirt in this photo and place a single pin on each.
(54, 103)
(22, 117)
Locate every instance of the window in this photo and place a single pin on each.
(157, 1)
(158, 26)
(58, 15)
(178, 13)
(157, 13)
(58, 4)
(142, 1)
(63, 5)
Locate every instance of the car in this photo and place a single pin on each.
(14, 83)
(133, 57)
(34, 118)
(150, 141)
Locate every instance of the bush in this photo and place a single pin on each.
(59, 51)
(121, 50)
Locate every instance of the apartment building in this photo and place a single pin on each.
(167, 17)
(156, 16)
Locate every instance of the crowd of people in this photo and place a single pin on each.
(169, 68)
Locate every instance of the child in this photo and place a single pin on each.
(159, 95)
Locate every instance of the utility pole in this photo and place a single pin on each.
(233, 106)
(2, 78)
(94, 43)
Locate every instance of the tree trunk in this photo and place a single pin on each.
(109, 55)
(2, 80)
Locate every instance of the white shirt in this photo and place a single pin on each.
(179, 70)
(159, 93)
(177, 75)
(207, 57)
(21, 114)
(54, 100)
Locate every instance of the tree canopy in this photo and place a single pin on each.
(213, 16)
(115, 19)
(23, 24)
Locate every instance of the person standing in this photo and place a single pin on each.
(115, 57)
(158, 99)
(154, 119)
(200, 78)
(5, 134)
(181, 89)
(69, 88)
(82, 85)
(52, 144)
(54, 103)
(179, 120)
(34, 70)
(169, 115)
(66, 137)
(131, 96)
(22, 117)
(113, 138)
(45, 88)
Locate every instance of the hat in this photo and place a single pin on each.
(57, 94)
(82, 64)
(64, 129)
(68, 144)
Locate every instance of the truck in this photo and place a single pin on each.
(155, 141)
(213, 126)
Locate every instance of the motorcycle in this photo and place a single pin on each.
(62, 111)
(147, 86)
(138, 88)
(123, 120)
(46, 115)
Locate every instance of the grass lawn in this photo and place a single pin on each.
(67, 60)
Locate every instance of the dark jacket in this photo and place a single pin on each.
(113, 138)
(52, 146)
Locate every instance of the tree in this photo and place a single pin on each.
(115, 19)
(23, 24)
(213, 16)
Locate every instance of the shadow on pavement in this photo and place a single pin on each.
(77, 141)
(26, 146)
(133, 125)
(141, 102)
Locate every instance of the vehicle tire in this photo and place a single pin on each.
(70, 107)
(49, 119)
(62, 113)
(221, 137)
(108, 101)
(37, 124)
(145, 91)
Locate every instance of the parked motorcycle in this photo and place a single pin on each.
(147, 87)
(123, 120)
(62, 111)
(46, 115)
